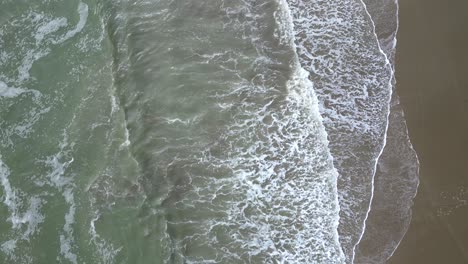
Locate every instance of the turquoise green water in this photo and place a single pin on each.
(60, 136)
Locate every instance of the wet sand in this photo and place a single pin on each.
(432, 81)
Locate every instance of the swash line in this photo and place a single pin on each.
(387, 62)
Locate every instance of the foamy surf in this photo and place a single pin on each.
(352, 78)
(188, 132)
(227, 186)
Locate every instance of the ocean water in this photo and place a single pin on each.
(214, 131)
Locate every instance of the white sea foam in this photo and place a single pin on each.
(4, 56)
(48, 27)
(9, 247)
(451, 201)
(25, 127)
(28, 61)
(9, 195)
(37, 34)
(66, 238)
(106, 250)
(11, 92)
(15, 84)
(31, 217)
(287, 35)
(57, 177)
(127, 142)
(83, 13)
(45, 28)
(352, 78)
(115, 106)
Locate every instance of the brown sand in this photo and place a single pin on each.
(432, 81)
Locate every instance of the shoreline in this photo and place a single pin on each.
(432, 82)
(396, 175)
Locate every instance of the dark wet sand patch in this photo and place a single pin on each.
(432, 81)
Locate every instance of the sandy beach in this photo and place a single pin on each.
(432, 81)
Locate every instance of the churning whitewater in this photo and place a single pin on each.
(208, 131)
